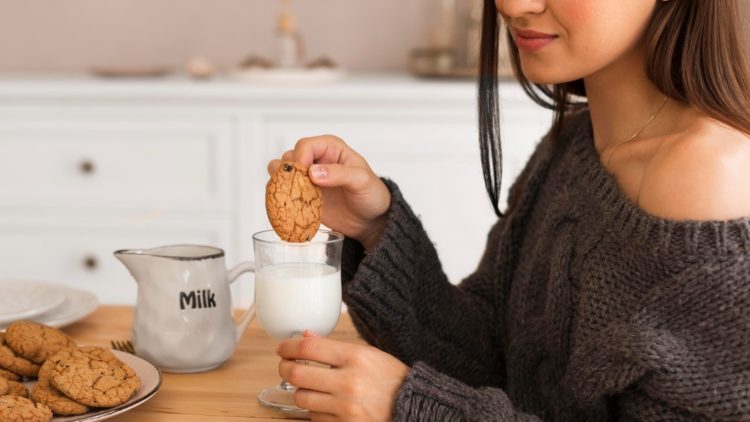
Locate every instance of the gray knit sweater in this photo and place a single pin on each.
(583, 307)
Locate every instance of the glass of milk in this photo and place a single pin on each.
(297, 288)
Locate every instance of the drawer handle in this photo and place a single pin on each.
(90, 262)
(87, 167)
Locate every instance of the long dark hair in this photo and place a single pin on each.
(695, 54)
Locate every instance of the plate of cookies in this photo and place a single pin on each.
(46, 376)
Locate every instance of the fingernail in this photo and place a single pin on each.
(318, 172)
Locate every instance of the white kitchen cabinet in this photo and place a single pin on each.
(90, 166)
(124, 163)
(79, 253)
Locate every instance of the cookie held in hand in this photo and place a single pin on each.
(293, 203)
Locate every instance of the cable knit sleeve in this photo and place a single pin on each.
(683, 355)
(430, 396)
(402, 302)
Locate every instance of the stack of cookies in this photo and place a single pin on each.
(70, 380)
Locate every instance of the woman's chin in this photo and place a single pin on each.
(544, 78)
(548, 74)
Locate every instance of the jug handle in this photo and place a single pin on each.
(232, 275)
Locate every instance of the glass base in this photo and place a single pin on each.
(282, 400)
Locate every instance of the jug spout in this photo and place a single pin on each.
(133, 260)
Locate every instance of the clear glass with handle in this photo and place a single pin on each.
(297, 288)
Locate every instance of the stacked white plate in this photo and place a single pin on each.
(51, 304)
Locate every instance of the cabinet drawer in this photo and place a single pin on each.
(133, 164)
(81, 255)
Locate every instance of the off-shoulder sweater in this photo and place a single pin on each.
(583, 306)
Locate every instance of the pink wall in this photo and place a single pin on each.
(73, 35)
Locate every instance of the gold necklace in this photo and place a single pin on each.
(639, 132)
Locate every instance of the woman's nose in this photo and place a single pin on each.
(518, 8)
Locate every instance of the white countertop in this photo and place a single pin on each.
(385, 85)
(27, 87)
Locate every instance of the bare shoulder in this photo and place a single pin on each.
(701, 174)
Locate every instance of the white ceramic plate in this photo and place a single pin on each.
(27, 299)
(150, 383)
(286, 76)
(77, 305)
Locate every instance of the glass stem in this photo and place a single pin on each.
(288, 386)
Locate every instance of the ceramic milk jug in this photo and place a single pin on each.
(183, 315)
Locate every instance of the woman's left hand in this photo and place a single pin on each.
(361, 384)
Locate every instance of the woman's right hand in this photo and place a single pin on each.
(355, 200)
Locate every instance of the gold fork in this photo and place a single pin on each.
(123, 346)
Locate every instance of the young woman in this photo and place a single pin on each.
(617, 283)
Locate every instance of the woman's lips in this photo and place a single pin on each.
(532, 41)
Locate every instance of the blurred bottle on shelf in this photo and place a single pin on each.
(290, 51)
(453, 42)
(442, 31)
(473, 33)
(438, 56)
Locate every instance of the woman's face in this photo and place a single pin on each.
(564, 40)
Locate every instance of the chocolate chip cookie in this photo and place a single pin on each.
(93, 376)
(17, 389)
(20, 409)
(36, 342)
(293, 203)
(12, 388)
(4, 373)
(43, 392)
(13, 363)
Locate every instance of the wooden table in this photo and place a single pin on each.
(223, 394)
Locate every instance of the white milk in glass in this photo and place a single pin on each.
(293, 297)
